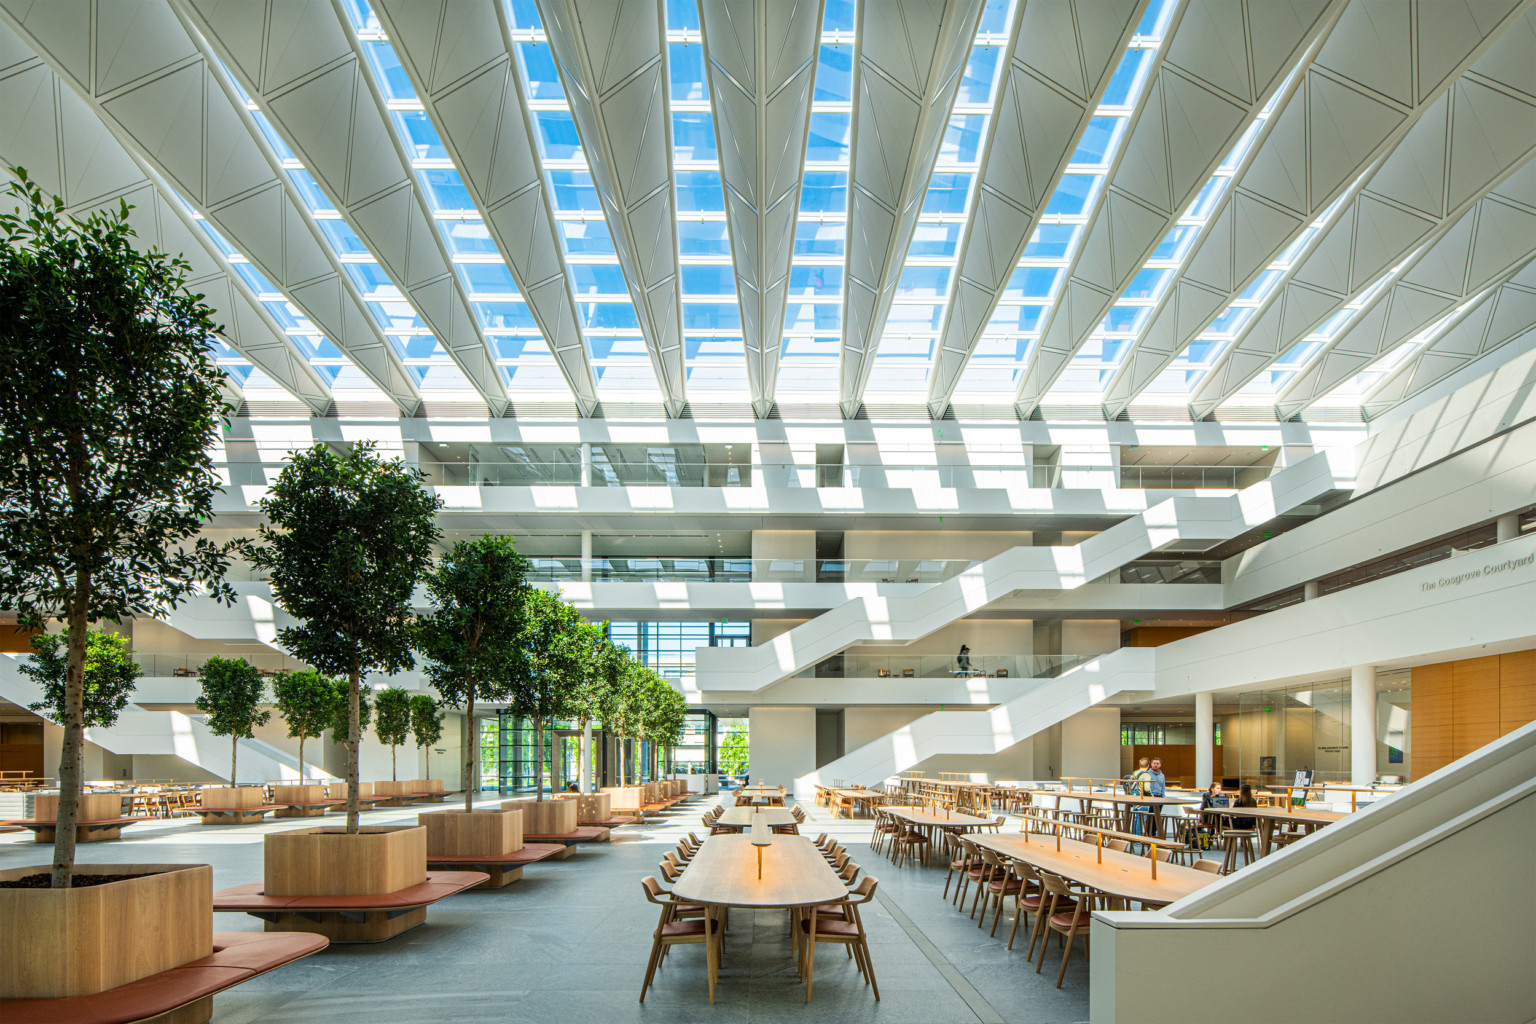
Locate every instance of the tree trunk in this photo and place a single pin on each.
(538, 759)
(392, 763)
(72, 751)
(301, 759)
(354, 735)
(585, 778)
(234, 750)
(472, 754)
(426, 753)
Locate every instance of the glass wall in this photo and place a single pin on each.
(667, 647)
(1276, 733)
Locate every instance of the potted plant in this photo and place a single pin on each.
(109, 417)
(232, 694)
(307, 702)
(347, 538)
(392, 720)
(426, 727)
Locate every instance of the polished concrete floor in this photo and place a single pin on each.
(569, 943)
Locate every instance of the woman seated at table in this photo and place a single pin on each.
(1245, 798)
(1213, 797)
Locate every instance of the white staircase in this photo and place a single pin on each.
(140, 731)
(1417, 908)
(1179, 524)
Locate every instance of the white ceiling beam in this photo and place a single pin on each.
(302, 65)
(1355, 102)
(612, 58)
(908, 59)
(1497, 319)
(1197, 108)
(136, 66)
(1061, 59)
(68, 151)
(459, 56)
(760, 57)
(1446, 216)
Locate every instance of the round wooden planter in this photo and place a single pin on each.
(74, 942)
(327, 861)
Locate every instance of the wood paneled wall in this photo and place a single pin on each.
(1459, 706)
(1156, 636)
(1178, 760)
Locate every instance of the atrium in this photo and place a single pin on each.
(967, 481)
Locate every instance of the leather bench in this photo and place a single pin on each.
(504, 868)
(371, 917)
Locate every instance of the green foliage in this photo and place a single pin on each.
(233, 691)
(109, 418)
(554, 643)
(110, 410)
(735, 754)
(470, 642)
(340, 727)
(110, 675)
(392, 716)
(307, 702)
(602, 662)
(347, 539)
(426, 720)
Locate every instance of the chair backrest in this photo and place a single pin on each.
(990, 857)
(1027, 872)
(1208, 865)
(865, 890)
(1163, 853)
(670, 871)
(653, 890)
(1117, 844)
(849, 873)
(1053, 884)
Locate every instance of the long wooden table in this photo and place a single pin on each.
(855, 797)
(744, 817)
(1267, 817)
(1118, 874)
(933, 819)
(1124, 803)
(724, 874)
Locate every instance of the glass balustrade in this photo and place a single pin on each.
(188, 666)
(945, 666)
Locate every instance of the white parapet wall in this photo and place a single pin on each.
(1421, 907)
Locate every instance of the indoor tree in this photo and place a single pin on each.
(392, 720)
(552, 641)
(306, 700)
(602, 662)
(347, 538)
(232, 695)
(471, 640)
(662, 714)
(110, 676)
(109, 416)
(426, 727)
(619, 707)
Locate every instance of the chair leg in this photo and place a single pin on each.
(1066, 954)
(650, 967)
(869, 967)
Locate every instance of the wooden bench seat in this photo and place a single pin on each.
(235, 815)
(504, 868)
(613, 822)
(582, 834)
(308, 808)
(181, 995)
(367, 918)
(85, 831)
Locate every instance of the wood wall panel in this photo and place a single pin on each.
(1474, 704)
(1430, 719)
(1517, 690)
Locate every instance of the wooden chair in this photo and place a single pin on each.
(849, 931)
(672, 931)
(1206, 864)
(909, 843)
(1064, 922)
(959, 861)
(1001, 884)
(974, 872)
(1029, 901)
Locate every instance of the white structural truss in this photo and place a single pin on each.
(320, 99)
(762, 58)
(613, 61)
(460, 60)
(91, 171)
(1355, 101)
(1208, 208)
(135, 64)
(1061, 62)
(906, 71)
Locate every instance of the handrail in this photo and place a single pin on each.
(1152, 844)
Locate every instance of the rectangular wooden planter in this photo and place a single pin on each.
(325, 861)
(590, 806)
(93, 807)
(338, 790)
(73, 942)
(490, 830)
(546, 817)
(401, 792)
(626, 799)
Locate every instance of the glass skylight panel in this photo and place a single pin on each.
(468, 237)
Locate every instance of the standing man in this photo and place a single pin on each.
(1157, 785)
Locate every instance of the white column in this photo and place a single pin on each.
(586, 464)
(1362, 725)
(586, 554)
(1508, 528)
(1205, 739)
(1310, 590)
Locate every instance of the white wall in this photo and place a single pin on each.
(969, 545)
(1090, 744)
(783, 744)
(1090, 636)
(787, 544)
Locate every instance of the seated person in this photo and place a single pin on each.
(1214, 797)
(1245, 799)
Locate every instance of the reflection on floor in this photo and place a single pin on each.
(569, 942)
